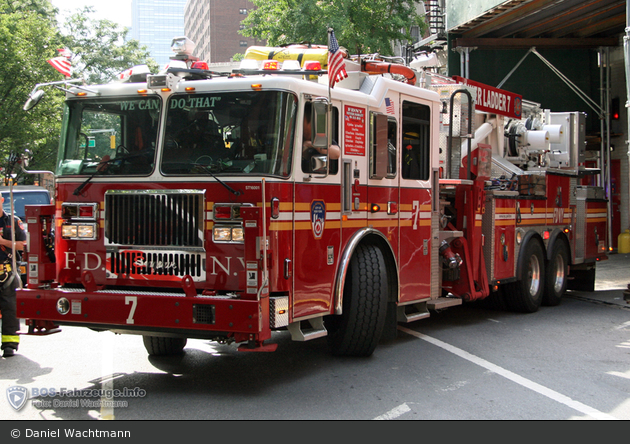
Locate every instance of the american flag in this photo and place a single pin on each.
(62, 65)
(65, 52)
(336, 65)
(389, 106)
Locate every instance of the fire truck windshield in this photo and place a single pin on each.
(109, 136)
(229, 133)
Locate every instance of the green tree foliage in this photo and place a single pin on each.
(29, 36)
(362, 26)
(100, 48)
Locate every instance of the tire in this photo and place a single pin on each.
(557, 275)
(161, 346)
(358, 330)
(526, 294)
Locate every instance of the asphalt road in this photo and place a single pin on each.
(570, 362)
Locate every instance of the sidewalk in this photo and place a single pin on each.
(611, 279)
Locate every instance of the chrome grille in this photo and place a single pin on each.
(157, 218)
(134, 263)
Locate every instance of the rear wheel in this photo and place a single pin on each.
(160, 346)
(357, 331)
(557, 274)
(525, 295)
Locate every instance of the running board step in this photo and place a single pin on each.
(439, 303)
(316, 330)
(412, 312)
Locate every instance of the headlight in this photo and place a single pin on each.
(79, 231)
(86, 231)
(228, 234)
(222, 234)
(69, 231)
(237, 234)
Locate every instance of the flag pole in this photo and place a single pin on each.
(329, 108)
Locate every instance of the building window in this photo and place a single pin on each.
(242, 11)
(243, 43)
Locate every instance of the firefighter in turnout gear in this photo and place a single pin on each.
(9, 281)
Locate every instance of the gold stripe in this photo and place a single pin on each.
(281, 226)
(532, 222)
(421, 223)
(504, 223)
(409, 207)
(384, 223)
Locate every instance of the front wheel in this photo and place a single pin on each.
(357, 331)
(525, 295)
(557, 275)
(161, 346)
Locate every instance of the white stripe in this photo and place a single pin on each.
(622, 326)
(330, 216)
(551, 394)
(393, 413)
(107, 384)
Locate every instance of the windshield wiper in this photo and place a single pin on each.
(206, 169)
(100, 169)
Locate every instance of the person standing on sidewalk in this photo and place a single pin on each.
(9, 281)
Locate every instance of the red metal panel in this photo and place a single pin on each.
(317, 247)
(596, 242)
(558, 195)
(415, 244)
(504, 244)
(139, 310)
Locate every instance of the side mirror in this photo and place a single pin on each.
(319, 164)
(33, 99)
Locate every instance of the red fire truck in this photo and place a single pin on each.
(209, 204)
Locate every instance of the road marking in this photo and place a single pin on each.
(394, 413)
(621, 375)
(107, 384)
(551, 394)
(622, 326)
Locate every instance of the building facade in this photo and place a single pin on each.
(214, 26)
(154, 23)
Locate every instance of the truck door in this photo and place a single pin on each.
(414, 257)
(317, 210)
(383, 193)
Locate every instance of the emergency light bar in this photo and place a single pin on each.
(252, 66)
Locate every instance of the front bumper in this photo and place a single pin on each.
(144, 312)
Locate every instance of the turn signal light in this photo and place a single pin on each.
(312, 65)
(222, 212)
(270, 65)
